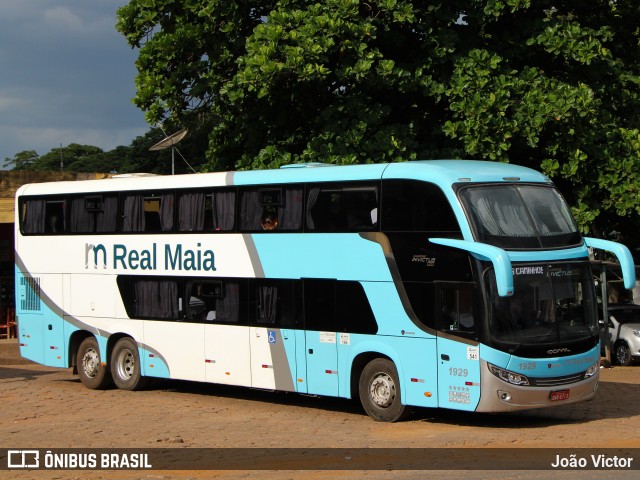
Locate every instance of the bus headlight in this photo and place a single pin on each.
(508, 376)
(591, 371)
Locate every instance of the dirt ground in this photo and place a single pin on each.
(45, 407)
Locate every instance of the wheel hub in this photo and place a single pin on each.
(382, 390)
(90, 362)
(126, 364)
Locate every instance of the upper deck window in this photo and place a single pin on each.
(43, 216)
(343, 208)
(271, 209)
(414, 206)
(519, 216)
(147, 213)
(94, 213)
(206, 211)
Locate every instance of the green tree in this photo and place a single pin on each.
(72, 158)
(24, 160)
(549, 84)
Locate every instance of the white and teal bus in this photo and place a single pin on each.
(456, 284)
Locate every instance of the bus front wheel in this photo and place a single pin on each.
(379, 390)
(93, 372)
(125, 365)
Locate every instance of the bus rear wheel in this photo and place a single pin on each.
(379, 390)
(93, 372)
(125, 366)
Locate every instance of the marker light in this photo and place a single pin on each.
(591, 370)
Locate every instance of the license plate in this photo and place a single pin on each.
(559, 395)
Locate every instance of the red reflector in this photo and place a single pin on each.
(414, 380)
(52, 347)
(23, 344)
(151, 355)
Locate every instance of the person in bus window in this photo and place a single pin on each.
(269, 219)
(55, 224)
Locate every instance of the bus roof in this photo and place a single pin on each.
(441, 172)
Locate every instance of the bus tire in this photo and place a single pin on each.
(93, 372)
(125, 365)
(379, 390)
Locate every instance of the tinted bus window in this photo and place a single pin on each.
(414, 206)
(271, 209)
(151, 298)
(33, 219)
(43, 216)
(149, 212)
(206, 211)
(214, 301)
(319, 305)
(274, 302)
(343, 208)
(54, 217)
(355, 314)
(93, 213)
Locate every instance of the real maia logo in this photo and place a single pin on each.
(172, 257)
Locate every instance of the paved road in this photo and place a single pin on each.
(48, 408)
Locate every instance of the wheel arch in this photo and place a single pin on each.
(365, 355)
(75, 340)
(357, 365)
(113, 339)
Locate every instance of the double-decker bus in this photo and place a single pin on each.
(456, 284)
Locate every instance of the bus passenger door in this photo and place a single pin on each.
(320, 337)
(271, 336)
(458, 351)
(273, 358)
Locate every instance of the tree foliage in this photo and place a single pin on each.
(553, 85)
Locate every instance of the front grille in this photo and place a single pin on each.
(553, 381)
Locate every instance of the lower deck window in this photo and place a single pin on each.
(322, 305)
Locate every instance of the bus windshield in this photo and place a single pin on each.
(551, 304)
(519, 216)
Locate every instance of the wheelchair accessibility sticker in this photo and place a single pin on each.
(272, 336)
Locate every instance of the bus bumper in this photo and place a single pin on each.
(499, 396)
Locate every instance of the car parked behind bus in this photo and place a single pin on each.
(624, 333)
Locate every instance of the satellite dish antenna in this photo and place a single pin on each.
(170, 142)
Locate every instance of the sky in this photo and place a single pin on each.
(66, 76)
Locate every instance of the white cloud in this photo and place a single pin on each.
(66, 21)
(62, 17)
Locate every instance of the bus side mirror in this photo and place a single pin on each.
(498, 257)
